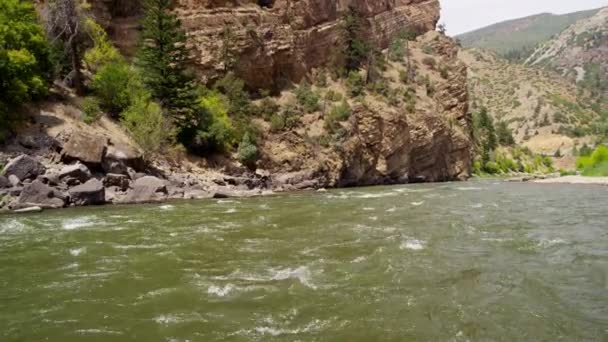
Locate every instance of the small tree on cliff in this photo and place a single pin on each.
(356, 50)
(163, 57)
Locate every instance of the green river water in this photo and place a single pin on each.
(476, 261)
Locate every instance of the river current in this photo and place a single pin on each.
(476, 261)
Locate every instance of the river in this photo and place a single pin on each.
(476, 261)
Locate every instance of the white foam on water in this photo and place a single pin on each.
(373, 218)
(358, 260)
(166, 207)
(551, 242)
(468, 188)
(226, 201)
(127, 247)
(98, 332)
(477, 205)
(368, 209)
(376, 195)
(301, 273)
(272, 329)
(221, 291)
(417, 204)
(77, 251)
(412, 244)
(169, 319)
(12, 226)
(391, 210)
(230, 211)
(77, 223)
(156, 293)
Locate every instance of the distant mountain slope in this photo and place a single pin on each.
(521, 35)
(546, 112)
(580, 53)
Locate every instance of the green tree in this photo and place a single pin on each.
(24, 58)
(163, 58)
(66, 26)
(504, 134)
(355, 48)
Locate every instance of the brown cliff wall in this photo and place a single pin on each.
(276, 44)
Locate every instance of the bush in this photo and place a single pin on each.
(492, 168)
(102, 52)
(234, 88)
(145, 121)
(337, 114)
(215, 133)
(596, 164)
(307, 98)
(430, 62)
(248, 152)
(90, 110)
(355, 84)
(333, 96)
(25, 66)
(267, 107)
(115, 84)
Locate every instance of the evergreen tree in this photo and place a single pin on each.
(355, 49)
(163, 57)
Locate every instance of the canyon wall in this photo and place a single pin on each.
(276, 41)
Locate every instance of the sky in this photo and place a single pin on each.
(461, 16)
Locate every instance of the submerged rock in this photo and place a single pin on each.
(24, 167)
(89, 193)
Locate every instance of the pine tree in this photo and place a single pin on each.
(356, 50)
(163, 57)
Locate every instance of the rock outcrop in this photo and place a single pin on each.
(274, 41)
(23, 167)
(89, 193)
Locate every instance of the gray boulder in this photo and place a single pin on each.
(4, 183)
(77, 171)
(147, 189)
(119, 158)
(86, 148)
(38, 194)
(118, 180)
(89, 193)
(24, 167)
(14, 180)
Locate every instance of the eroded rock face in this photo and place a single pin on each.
(383, 143)
(274, 41)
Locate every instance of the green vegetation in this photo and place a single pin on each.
(91, 110)
(337, 114)
(145, 121)
(307, 98)
(596, 164)
(356, 49)
(24, 60)
(163, 58)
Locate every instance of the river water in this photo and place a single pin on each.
(477, 261)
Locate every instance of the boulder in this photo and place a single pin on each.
(14, 180)
(89, 193)
(4, 183)
(77, 171)
(147, 189)
(24, 167)
(41, 195)
(118, 180)
(118, 158)
(86, 148)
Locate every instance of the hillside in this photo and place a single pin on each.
(580, 53)
(546, 112)
(521, 36)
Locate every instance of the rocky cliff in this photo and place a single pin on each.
(275, 41)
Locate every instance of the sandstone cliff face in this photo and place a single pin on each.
(385, 143)
(279, 42)
(276, 41)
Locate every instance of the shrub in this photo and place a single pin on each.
(248, 152)
(268, 107)
(215, 132)
(277, 123)
(492, 168)
(355, 84)
(90, 110)
(24, 59)
(337, 114)
(333, 96)
(146, 123)
(596, 164)
(115, 84)
(430, 62)
(444, 72)
(102, 52)
(234, 88)
(307, 98)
